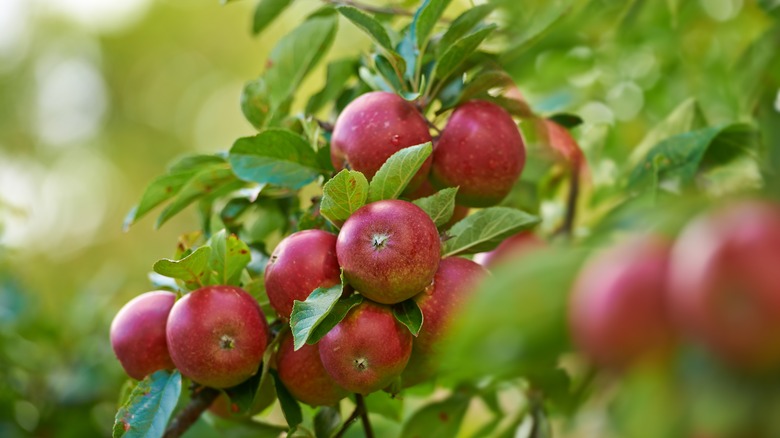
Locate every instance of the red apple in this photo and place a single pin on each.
(138, 334)
(454, 282)
(372, 128)
(511, 248)
(304, 376)
(367, 350)
(481, 151)
(725, 283)
(302, 262)
(618, 311)
(389, 250)
(217, 336)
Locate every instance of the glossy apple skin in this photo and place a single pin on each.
(367, 350)
(511, 248)
(304, 376)
(372, 128)
(217, 336)
(481, 151)
(302, 262)
(389, 250)
(138, 334)
(455, 281)
(619, 314)
(725, 283)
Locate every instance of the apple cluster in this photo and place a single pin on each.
(388, 251)
(716, 286)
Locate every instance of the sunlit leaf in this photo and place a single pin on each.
(306, 315)
(392, 178)
(343, 195)
(190, 269)
(485, 229)
(149, 407)
(440, 206)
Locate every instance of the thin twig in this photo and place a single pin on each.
(325, 126)
(388, 10)
(364, 416)
(571, 202)
(202, 398)
(351, 419)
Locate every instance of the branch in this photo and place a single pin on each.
(202, 397)
(359, 412)
(364, 416)
(571, 201)
(387, 10)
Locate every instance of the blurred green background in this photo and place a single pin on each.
(96, 97)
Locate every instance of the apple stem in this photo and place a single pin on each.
(360, 412)
(361, 406)
(202, 398)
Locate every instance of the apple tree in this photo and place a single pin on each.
(416, 247)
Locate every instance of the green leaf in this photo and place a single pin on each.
(459, 51)
(389, 73)
(326, 422)
(246, 394)
(336, 314)
(409, 314)
(381, 403)
(342, 195)
(439, 419)
(296, 54)
(339, 72)
(369, 25)
(425, 19)
(266, 100)
(440, 206)
(275, 156)
(392, 178)
(229, 256)
(206, 182)
(151, 403)
(463, 25)
(190, 269)
(290, 407)
(482, 82)
(266, 12)
(527, 307)
(167, 186)
(685, 117)
(307, 314)
(676, 160)
(485, 229)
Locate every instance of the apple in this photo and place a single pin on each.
(138, 334)
(302, 262)
(725, 283)
(512, 247)
(618, 311)
(304, 376)
(225, 408)
(367, 350)
(217, 335)
(481, 151)
(372, 128)
(454, 282)
(389, 250)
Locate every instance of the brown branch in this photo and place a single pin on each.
(387, 10)
(571, 201)
(202, 398)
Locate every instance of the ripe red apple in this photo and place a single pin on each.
(725, 283)
(481, 151)
(367, 350)
(138, 334)
(454, 282)
(372, 128)
(511, 248)
(217, 336)
(618, 310)
(389, 250)
(223, 407)
(304, 376)
(302, 262)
